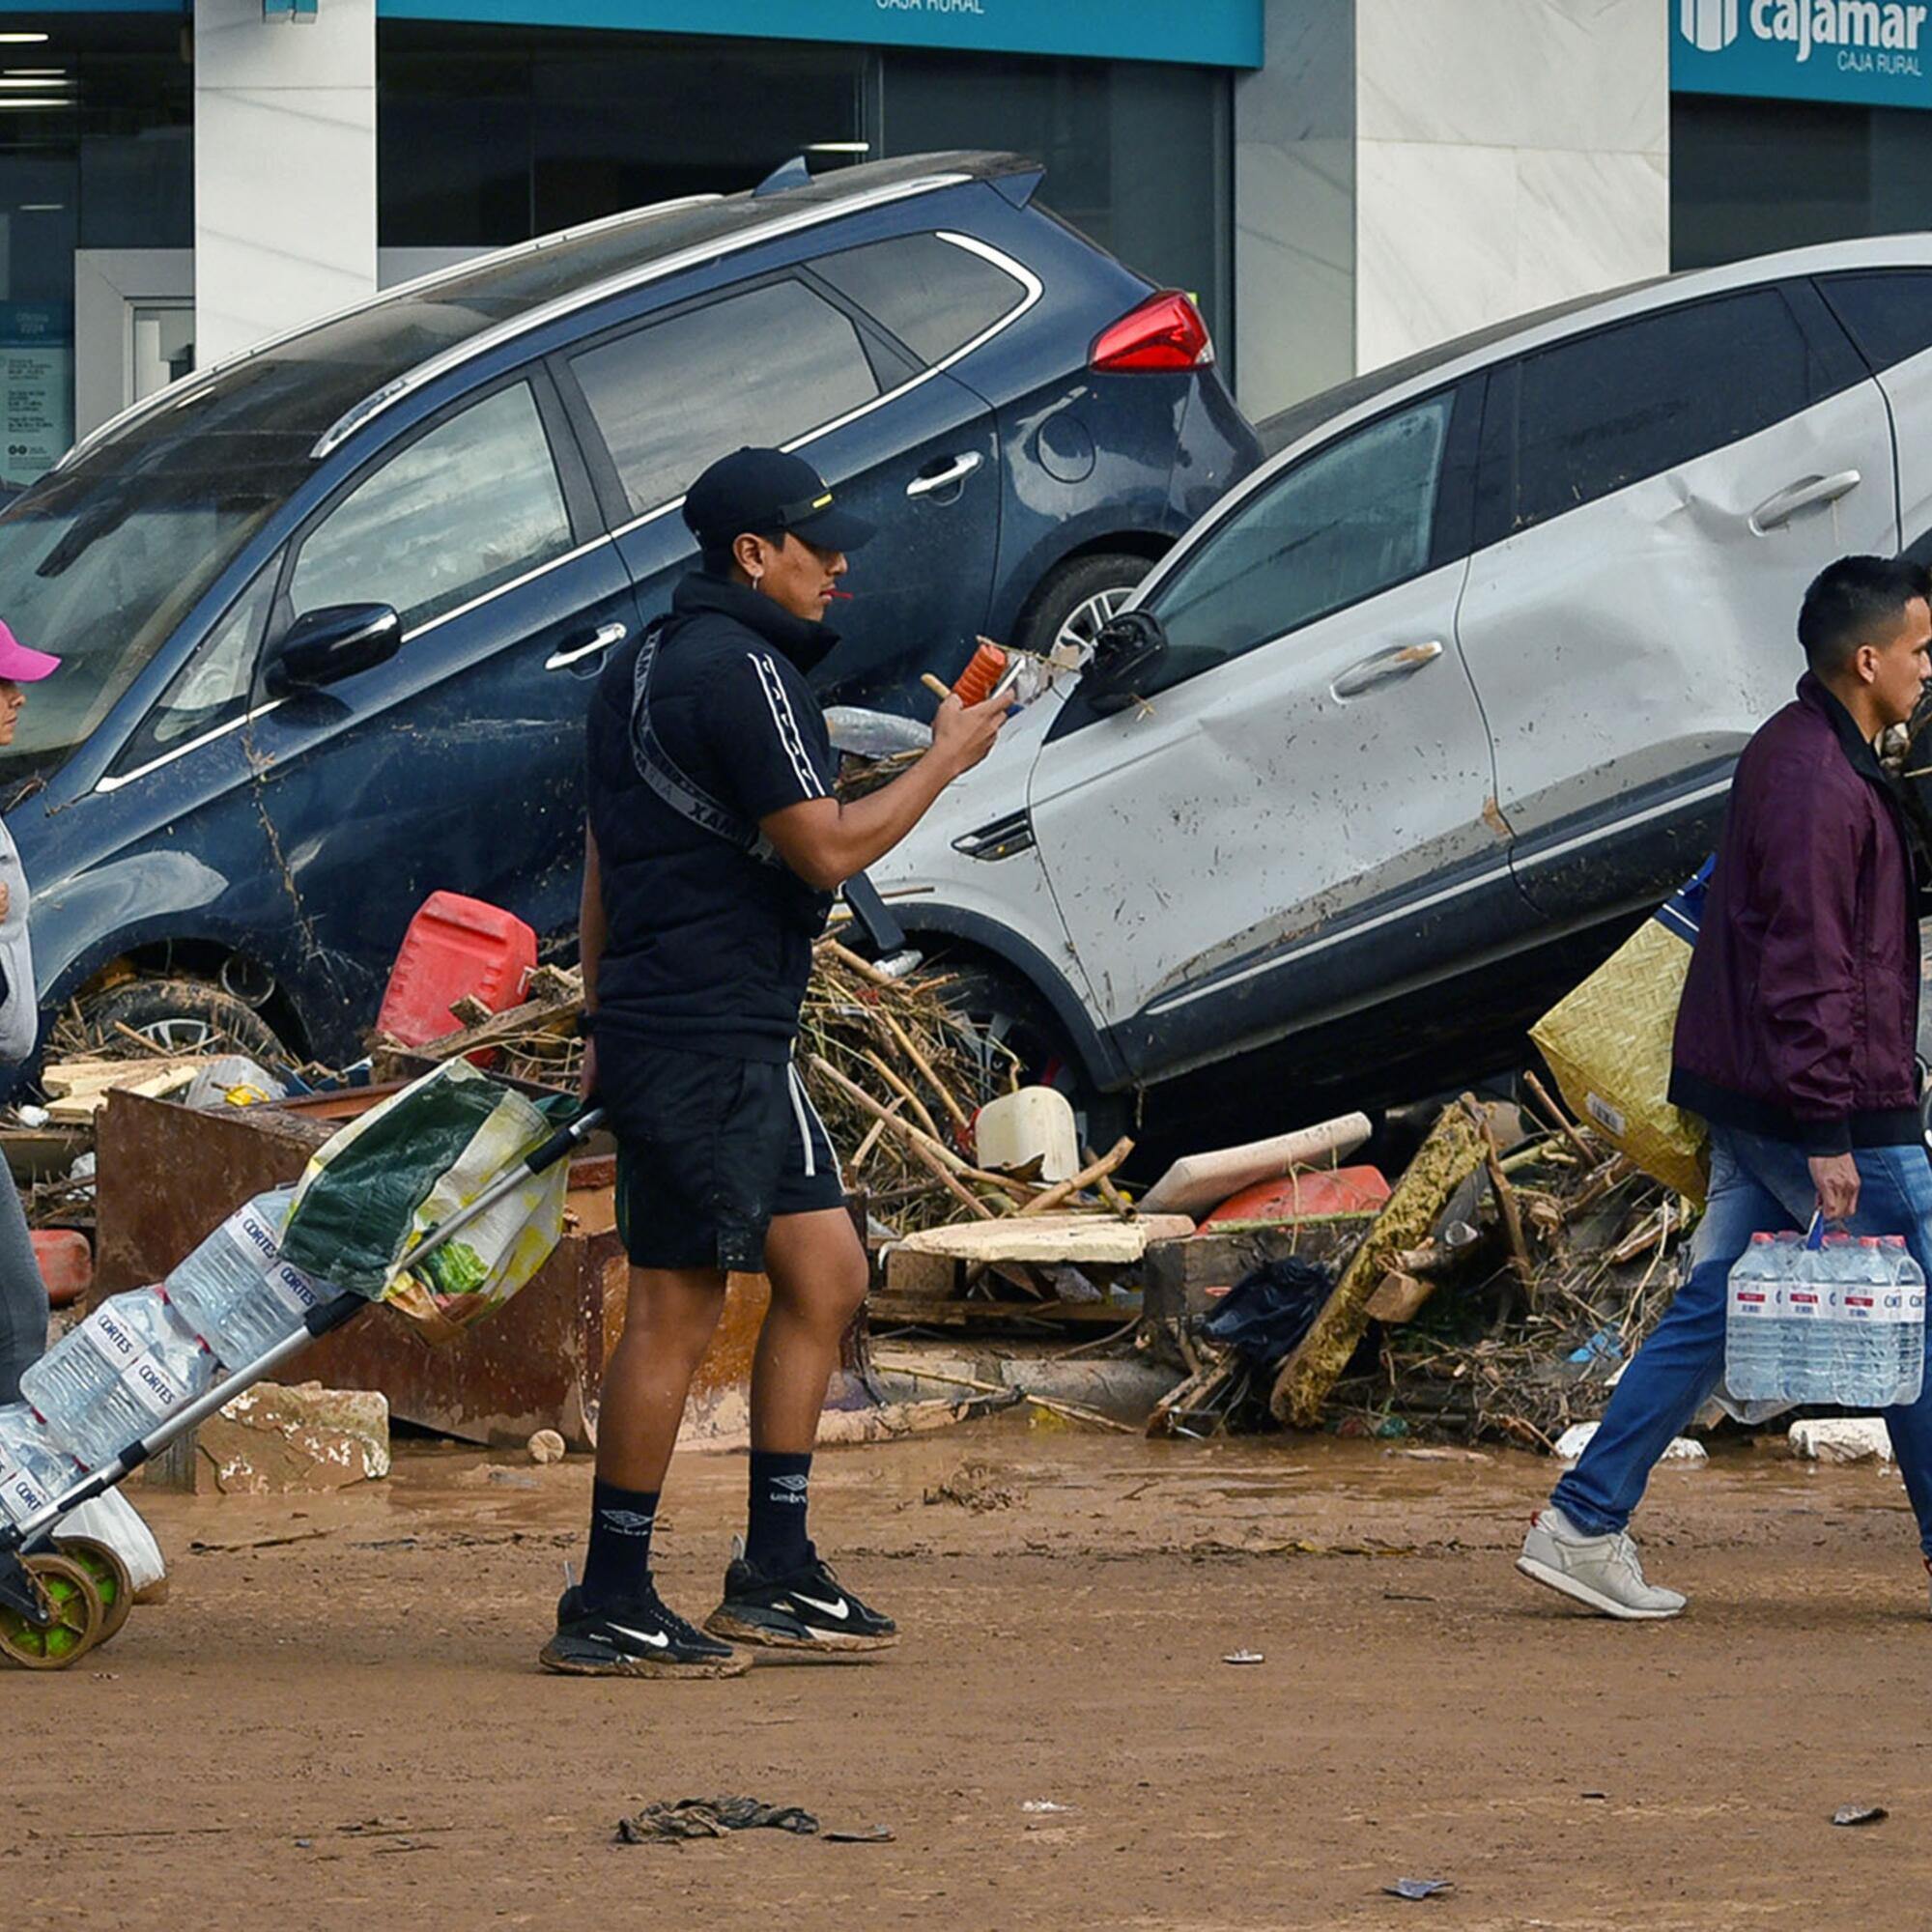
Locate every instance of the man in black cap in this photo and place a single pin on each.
(713, 847)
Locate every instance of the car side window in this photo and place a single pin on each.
(932, 293)
(211, 689)
(1888, 314)
(762, 367)
(455, 515)
(1354, 518)
(1631, 400)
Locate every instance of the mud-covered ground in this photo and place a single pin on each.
(337, 1722)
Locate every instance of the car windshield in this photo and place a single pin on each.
(100, 569)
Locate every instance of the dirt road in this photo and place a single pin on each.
(348, 1730)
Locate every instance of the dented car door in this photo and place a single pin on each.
(1657, 493)
(1308, 776)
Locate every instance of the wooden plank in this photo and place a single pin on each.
(1454, 1150)
(1085, 1239)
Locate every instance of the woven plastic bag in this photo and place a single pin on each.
(1608, 1044)
(376, 1188)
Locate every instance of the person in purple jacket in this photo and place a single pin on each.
(1795, 1042)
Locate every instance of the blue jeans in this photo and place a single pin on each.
(1757, 1185)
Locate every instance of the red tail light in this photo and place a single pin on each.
(1165, 332)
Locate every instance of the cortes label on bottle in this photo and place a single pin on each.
(151, 1384)
(254, 1237)
(20, 1496)
(111, 1338)
(292, 1288)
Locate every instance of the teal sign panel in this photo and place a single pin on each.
(1194, 33)
(1200, 33)
(1875, 53)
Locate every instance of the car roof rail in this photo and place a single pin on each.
(485, 340)
(188, 388)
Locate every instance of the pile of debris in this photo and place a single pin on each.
(1513, 1270)
(894, 1071)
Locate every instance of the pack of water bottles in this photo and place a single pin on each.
(33, 1469)
(1821, 1317)
(142, 1356)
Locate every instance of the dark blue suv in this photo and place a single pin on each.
(331, 611)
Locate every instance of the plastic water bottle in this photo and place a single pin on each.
(129, 1365)
(1906, 1319)
(33, 1472)
(1753, 1328)
(236, 1291)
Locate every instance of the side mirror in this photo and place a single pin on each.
(336, 641)
(1128, 647)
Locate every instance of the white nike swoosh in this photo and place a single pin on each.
(836, 1609)
(655, 1638)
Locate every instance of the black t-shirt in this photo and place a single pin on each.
(707, 947)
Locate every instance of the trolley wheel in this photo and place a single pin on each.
(69, 1593)
(111, 1581)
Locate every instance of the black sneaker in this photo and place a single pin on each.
(637, 1638)
(808, 1609)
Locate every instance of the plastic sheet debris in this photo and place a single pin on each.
(1841, 1438)
(1419, 1887)
(1859, 1814)
(1574, 1439)
(232, 1081)
(874, 734)
(1265, 1314)
(1243, 1657)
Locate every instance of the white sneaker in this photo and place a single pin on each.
(1599, 1571)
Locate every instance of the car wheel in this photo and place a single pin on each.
(182, 1016)
(1077, 598)
(1017, 1041)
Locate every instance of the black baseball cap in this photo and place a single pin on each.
(769, 492)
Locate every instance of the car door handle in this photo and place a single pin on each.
(1779, 509)
(1402, 662)
(609, 635)
(955, 472)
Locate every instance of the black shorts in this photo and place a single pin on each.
(709, 1148)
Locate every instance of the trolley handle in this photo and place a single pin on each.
(563, 1141)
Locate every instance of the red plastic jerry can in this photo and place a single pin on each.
(454, 946)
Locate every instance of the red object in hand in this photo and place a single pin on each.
(66, 1264)
(454, 946)
(981, 676)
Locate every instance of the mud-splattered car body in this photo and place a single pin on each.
(1451, 686)
(497, 455)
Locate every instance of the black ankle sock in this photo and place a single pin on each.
(775, 1541)
(618, 1566)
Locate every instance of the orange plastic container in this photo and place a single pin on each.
(983, 674)
(1305, 1194)
(454, 946)
(66, 1264)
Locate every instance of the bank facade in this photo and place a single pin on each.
(1337, 181)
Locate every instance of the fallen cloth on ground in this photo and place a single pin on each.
(665, 1823)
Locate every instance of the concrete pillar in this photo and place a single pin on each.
(1295, 208)
(284, 168)
(1410, 170)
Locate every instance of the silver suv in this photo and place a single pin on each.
(1434, 704)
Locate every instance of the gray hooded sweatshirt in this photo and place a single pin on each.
(20, 1009)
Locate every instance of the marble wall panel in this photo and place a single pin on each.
(285, 169)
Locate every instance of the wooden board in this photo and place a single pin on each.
(1085, 1239)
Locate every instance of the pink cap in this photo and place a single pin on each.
(20, 666)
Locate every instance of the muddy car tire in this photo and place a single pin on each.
(1076, 598)
(183, 1015)
(1000, 1005)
